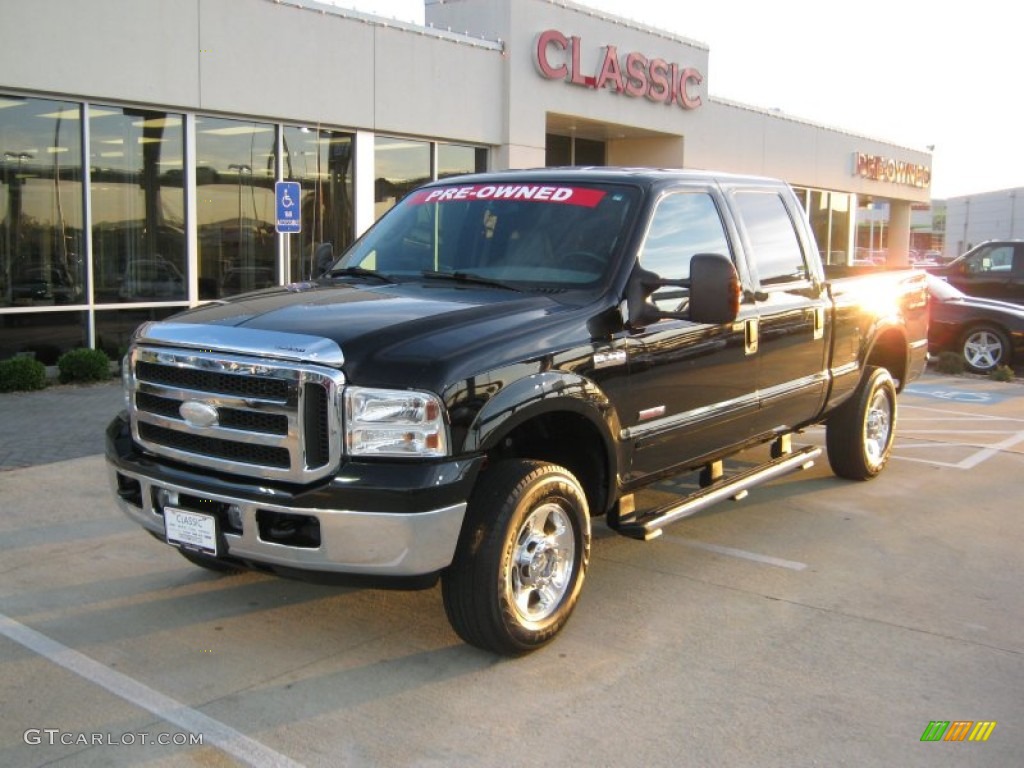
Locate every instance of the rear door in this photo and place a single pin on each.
(692, 388)
(791, 324)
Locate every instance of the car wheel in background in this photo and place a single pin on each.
(984, 348)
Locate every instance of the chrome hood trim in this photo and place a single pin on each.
(275, 345)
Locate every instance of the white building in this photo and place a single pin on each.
(141, 139)
(972, 219)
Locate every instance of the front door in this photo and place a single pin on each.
(693, 386)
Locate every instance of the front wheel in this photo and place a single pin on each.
(859, 435)
(521, 559)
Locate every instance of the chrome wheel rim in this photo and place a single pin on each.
(878, 427)
(983, 350)
(542, 563)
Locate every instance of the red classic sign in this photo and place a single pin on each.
(632, 74)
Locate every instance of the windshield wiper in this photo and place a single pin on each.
(468, 277)
(359, 272)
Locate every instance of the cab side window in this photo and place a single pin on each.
(684, 224)
(998, 258)
(775, 247)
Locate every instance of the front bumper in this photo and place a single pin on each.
(351, 524)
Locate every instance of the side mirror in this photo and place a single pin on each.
(642, 283)
(714, 289)
(714, 293)
(323, 257)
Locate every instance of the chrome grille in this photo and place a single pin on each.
(274, 419)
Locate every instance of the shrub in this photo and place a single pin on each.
(83, 364)
(1002, 373)
(950, 362)
(22, 373)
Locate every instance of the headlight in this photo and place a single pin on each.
(385, 422)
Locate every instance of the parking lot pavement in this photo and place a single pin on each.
(817, 622)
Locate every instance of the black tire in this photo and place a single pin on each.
(859, 435)
(210, 563)
(526, 512)
(984, 348)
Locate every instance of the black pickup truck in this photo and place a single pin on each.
(499, 360)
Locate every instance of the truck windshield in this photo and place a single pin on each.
(527, 234)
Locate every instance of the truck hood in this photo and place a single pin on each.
(394, 332)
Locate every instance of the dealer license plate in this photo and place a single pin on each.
(192, 530)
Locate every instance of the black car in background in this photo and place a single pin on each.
(987, 333)
(993, 270)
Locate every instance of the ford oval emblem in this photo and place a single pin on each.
(197, 414)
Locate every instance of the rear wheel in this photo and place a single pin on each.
(984, 348)
(859, 435)
(521, 559)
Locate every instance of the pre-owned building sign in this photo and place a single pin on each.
(631, 74)
(879, 168)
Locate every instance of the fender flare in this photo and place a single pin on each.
(887, 327)
(544, 393)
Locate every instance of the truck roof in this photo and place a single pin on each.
(609, 174)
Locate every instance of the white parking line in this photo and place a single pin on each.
(945, 413)
(235, 743)
(740, 553)
(936, 417)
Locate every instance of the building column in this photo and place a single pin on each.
(899, 233)
(365, 191)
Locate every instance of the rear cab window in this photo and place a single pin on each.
(777, 256)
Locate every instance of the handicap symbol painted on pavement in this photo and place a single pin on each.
(955, 395)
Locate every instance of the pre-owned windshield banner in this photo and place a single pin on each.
(538, 193)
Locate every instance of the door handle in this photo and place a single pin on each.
(751, 331)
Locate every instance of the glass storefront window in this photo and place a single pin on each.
(839, 243)
(235, 206)
(41, 254)
(456, 159)
(570, 150)
(136, 160)
(114, 328)
(558, 150)
(872, 231)
(818, 214)
(44, 335)
(400, 165)
(322, 163)
(138, 198)
(829, 215)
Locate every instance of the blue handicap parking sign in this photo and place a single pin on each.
(288, 214)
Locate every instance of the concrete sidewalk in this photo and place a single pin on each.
(55, 424)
